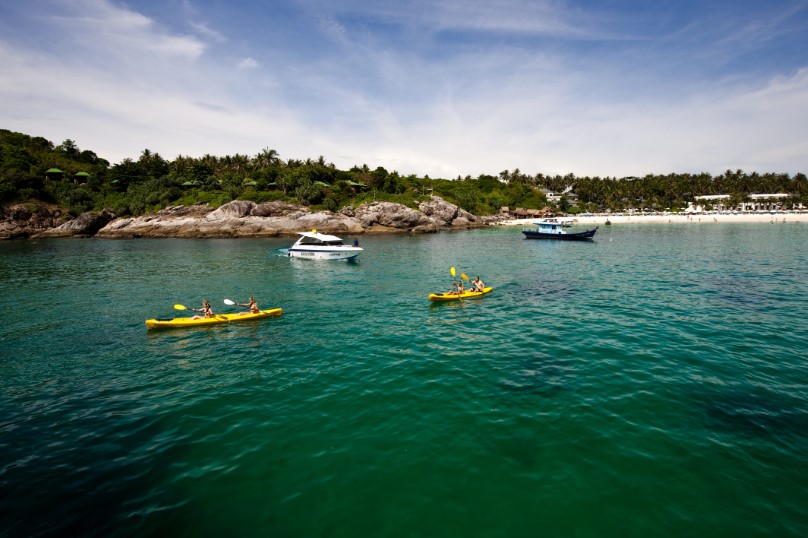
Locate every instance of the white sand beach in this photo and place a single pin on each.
(673, 218)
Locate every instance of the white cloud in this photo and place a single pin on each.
(205, 30)
(247, 63)
(103, 28)
(332, 29)
(120, 82)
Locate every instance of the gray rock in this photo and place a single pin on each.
(430, 228)
(440, 210)
(232, 210)
(24, 221)
(276, 208)
(86, 224)
(240, 218)
(390, 215)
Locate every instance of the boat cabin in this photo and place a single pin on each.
(549, 227)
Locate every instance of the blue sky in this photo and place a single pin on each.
(608, 88)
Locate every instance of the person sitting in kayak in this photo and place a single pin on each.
(478, 284)
(459, 285)
(252, 305)
(207, 311)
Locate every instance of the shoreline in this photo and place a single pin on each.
(679, 218)
(242, 218)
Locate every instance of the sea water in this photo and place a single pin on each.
(653, 382)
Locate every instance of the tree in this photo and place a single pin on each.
(125, 173)
(290, 179)
(266, 158)
(69, 148)
(152, 165)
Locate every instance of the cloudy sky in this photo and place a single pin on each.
(444, 88)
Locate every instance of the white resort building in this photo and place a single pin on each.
(753, 202)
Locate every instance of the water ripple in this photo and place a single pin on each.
(650, 384)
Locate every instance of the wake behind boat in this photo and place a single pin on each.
(550, 229)
(317, 246)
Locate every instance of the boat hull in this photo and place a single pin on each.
(579, 236)
(440, 297)
(334, 254)
(171, 323)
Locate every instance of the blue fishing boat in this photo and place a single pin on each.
(552, 229)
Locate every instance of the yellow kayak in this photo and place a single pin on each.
(168, 323)
(455, 297)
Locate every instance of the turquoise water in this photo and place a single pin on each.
(653, 382)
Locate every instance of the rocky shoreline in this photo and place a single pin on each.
(240, 218)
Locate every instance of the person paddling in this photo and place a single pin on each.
(207, 311)
(253, 306)
(478, 284)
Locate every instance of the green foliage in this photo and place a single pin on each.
(149, 183)
(117, 202)
(260, 197)
(213, 198)
(309, 193)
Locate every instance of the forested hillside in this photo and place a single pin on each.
(34, 169)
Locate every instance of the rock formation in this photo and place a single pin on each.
(85, 225)
(243, 218)
(22, 221)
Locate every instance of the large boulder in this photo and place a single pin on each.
(277, 208)
(440, 210)
(461, 223)
(389, 215)
(232, 210)
(430, 228)
(85, 225)
(448, 214)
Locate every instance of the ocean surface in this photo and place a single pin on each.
(653, 382)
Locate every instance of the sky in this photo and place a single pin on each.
(447, 88)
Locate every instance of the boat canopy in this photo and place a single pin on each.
(325, 238)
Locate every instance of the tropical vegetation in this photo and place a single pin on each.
(33, 169)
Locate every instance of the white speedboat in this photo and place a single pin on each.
(317, 246)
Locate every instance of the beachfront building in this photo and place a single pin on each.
(522, 213)
(555, 197)
(753, 202)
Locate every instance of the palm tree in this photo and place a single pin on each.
(266, 158)
(239, 164)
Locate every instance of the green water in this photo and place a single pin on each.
(651, 383)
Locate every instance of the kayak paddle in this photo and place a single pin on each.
(229, 302)
(182, 307)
